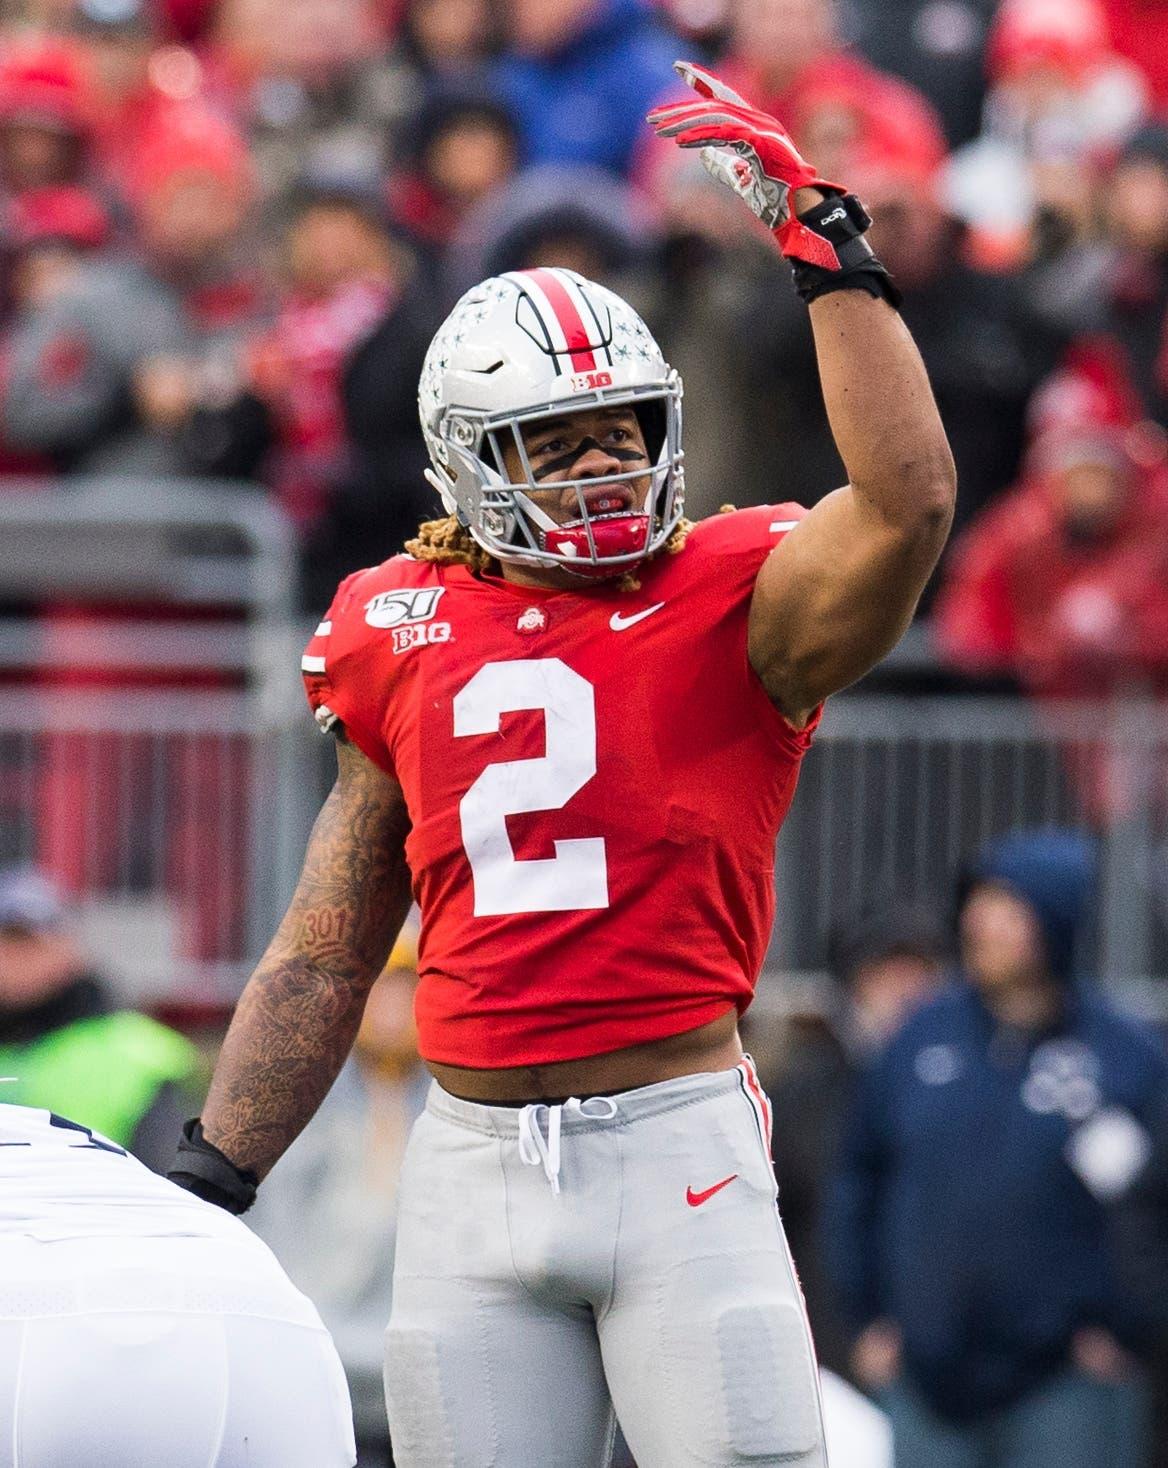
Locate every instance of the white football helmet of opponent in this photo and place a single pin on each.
(518, 348)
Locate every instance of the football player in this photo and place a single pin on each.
(571, 723)
(140, 1326)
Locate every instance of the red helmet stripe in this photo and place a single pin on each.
(570, 322)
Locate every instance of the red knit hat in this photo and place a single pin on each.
(897, 130)
(1069, 35)
(67, 213)
(192, 140)
(42, 84)
(1086, 412)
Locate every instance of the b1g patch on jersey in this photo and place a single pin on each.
(400, 608)
(420, 634)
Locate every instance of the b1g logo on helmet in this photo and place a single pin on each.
(400, 608)
(589, 381)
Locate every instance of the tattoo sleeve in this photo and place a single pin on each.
(299, 1014)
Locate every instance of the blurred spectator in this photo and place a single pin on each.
(967, 1237)
(49, 234)
(934, 45)
(381, 496)
(581, 74)
(888, 960)
(111, 374)
(45, 116)
(701, 23)
(1139, 1219)
(68, 1047)
(136, 82)
(1060, 101)
(1139, 31)
(577, 217)
(1136, 310)
(885, 961)
(328, 1209)
(1139, 1197)
(984, 345)
(463, 146)
(787, 58)
(441, 46)
(308, 83)
(343, 272)
(1064, 584)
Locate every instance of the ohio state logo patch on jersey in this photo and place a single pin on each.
(407, 605)
(533, 620)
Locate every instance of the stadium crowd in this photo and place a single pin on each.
(229, 228)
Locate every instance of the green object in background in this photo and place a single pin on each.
(104, 1072)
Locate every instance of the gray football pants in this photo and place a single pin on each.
(555, 1263)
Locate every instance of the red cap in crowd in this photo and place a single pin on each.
(42, 84)
(72, 215)
(897, 131)
(1070, 35)
(1087, 412)
(192, 141)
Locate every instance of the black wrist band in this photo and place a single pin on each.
(210, 1174)
(842, 220)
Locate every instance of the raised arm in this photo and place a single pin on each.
(839, 590)
(299, 1014)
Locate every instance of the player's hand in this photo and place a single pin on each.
(876, 1356)
(207, 1172)
(1097, 1354)
(753, 154)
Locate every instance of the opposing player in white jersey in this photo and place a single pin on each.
(143, 1328)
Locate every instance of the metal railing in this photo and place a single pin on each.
(897, 793)
(172, 786)
(155, 762)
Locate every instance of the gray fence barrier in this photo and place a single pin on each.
(897, 793)
(177, 815)
(154, 762)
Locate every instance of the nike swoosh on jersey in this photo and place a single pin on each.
(618, 622)
(695, 1200)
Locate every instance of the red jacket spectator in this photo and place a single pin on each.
(45, 115)
(786, 58)
(344, 274)
(1064, 583)
(1139, 30)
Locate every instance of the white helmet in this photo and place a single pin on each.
(514, 349)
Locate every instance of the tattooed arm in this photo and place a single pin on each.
(299, 1014)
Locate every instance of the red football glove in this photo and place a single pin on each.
(751, 153)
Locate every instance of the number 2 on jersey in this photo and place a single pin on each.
(577, 876)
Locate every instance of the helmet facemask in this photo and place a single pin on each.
(610, 533)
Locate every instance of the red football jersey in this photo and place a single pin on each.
(595, 778)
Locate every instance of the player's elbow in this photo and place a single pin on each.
(917, 522)
(932, 496)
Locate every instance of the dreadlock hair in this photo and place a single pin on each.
(449, 543)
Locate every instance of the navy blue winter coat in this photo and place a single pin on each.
(955, 1211)
(587, 103)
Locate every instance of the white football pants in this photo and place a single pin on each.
(163, 1353)
(555, 1263)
